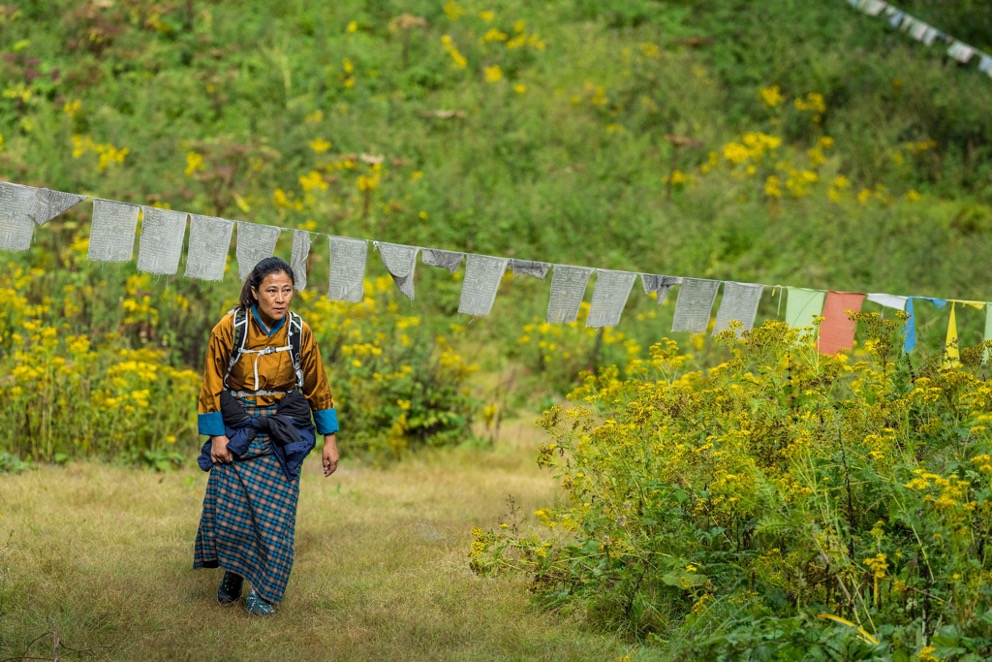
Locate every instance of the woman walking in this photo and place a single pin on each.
(262, 379)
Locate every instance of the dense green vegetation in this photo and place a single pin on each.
(781, 505)
(796, 143)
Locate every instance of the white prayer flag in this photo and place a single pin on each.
(400, 261)
(255, 243)
(298, 260)
(112, 231)
(347, 269)
(740, 302)
(961, 52)
(161, 242)
(530, 268)
(49, 204)
(16, 226)
(209, 243)
(661, 285)
(918, 29)
(482, 278)
(873, 7)
(568, 287)
(985, 65)
(609, 297)
(888, 300)
(695, 302)
(434, 257)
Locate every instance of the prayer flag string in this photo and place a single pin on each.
(114, 224)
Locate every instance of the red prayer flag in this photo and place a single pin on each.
(837, 330)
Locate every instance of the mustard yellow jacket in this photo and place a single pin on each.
(275, 372)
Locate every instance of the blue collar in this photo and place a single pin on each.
(261, 324)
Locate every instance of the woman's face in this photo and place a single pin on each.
(274, 295)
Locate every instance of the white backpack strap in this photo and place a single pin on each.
(262, 352)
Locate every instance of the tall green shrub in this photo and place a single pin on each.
(781, 501)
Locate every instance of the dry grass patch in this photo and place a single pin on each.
(101, 557)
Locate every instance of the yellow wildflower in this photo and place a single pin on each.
(772, 96)
(319, 145)
(313, 180)
(73, 108)
(453, 10)
(194, 162)
(773, 188)
(452, 50)
(494, 34)
(493, 74)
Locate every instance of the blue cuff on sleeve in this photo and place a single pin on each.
(211, 424)
(326, 421)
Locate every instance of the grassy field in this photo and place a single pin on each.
(98, 559)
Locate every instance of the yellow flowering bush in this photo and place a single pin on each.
(65, 398)
(557, 354)
(111, 389)
(67, 395)
(770, 499)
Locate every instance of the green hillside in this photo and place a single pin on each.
(536, 131)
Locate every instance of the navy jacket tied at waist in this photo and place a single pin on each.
(290, 429)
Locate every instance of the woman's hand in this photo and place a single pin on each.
(218, 450)
(330, 454)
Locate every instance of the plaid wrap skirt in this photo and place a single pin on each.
(249, 517)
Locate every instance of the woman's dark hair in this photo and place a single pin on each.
(269, 265)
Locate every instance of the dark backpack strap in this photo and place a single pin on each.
(295, 333)
(240, 335)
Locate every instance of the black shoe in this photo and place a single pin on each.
(230, 588)
(259, 606)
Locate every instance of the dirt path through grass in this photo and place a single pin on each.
(100, 556)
